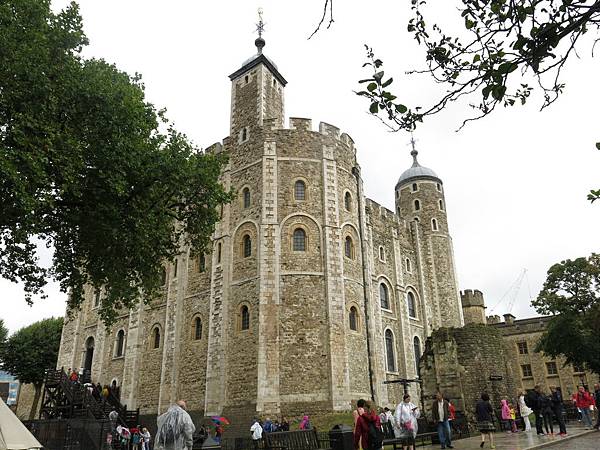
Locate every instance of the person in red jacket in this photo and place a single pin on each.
(361, 430)
(583, 401)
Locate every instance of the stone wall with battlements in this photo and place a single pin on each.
(276, 336)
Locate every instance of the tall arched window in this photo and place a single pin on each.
(175, 268)
(299, 244)
(163, 278)
(417, 205)
(381, 254)
(384, 296)
(120, 343)
(97, 298)
(246, 197)
(417, 350)
(244, 131)
(414, 187)
(198, 328)
(244, 318)
(247, 246)
(299, 190)
(434, 225)
(408, 268)
(441, 203)
(389, 351)
(412, 305)
(156, 337)
(349, 248)
(219, 253)
(353, 318)
(202, 262)
(348, 201)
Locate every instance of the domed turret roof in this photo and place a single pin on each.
(417, 171)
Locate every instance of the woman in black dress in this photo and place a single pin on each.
(485, 422)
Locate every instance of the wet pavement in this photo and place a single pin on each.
(525, 441)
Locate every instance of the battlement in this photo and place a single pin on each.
(372, 207)
(470, 297)
(304, 124)
(215, 148)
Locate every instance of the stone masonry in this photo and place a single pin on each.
(312, 296)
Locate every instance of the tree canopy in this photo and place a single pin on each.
(3, 335)
(29, 352)
(90, 168)
(571, 294)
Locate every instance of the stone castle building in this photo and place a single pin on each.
(313, 295)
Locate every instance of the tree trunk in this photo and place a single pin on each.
(36, 400)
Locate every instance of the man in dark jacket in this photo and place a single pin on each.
(557, 408)
(535, 401)
(440, 415)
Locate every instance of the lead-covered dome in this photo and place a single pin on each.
(416, 172)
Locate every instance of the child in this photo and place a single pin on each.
(513, 417)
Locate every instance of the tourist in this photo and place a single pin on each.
(268, 426)
(175, 429)
(218, 432)
(513, 418)
(305, 423)
(535, 402)
(360, 409)
(73, 377)
(485, 423)
(440, 415)
(387, 422)
(597, 398)
(524, 410)
(583, 400)
(557, 408)
(505, 413)
(136, 437)
(115, 390)
(285, 424)
(113, 416)
(256, 431)
(367, 432)
(547, 414)
(146, 436)
(405, 422)
(452, 411)
(105, 392)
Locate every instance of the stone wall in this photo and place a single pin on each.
(460, 361)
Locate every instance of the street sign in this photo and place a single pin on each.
(495, 377)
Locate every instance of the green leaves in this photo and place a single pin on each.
(598, 145)
(85, 167)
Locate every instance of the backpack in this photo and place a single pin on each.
(375, 437)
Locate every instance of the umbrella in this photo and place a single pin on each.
(220, 419)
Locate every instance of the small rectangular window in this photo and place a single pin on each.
(526, 369)
(578, 368)
(522, 346)
(551, 368)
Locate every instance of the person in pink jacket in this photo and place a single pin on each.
(506, 416)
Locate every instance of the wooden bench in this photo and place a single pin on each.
(422, 438)
(295, 440)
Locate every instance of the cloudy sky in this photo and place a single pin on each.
(515, 182)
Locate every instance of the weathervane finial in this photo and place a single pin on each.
(260, 28)
(414, 151)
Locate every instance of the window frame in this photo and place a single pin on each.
(349, 247)
(353, 314)
(522, 348)
(244, 317)
(297, 182)
(409, 295)
(390, 351)
(416, 205)
(120, 344)
(304, 242)
(154, 335)
(383, 289)
(246, 246)
(246, 198)
(555, 370)
(195, 335)
(528, 367)
(417, 355)
(348, 201)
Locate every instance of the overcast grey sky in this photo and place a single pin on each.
(515, 182)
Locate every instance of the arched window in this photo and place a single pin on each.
(219, 253)
(97, 298)
(175, 268)
(349, 248)
(434, 225)
(417, 350)
(348, 201)
(244, 318)
(299, 244)
(246, 197)
(202, 262)
(120, 343)
(299, 190)
(381, 254)
(441, 203)
(417, 205)
(247, 246)
(412, 305)
(408, 268)
(415, 187)
(244, 134)
(438, 186)
(198, 328)
(353, 318)
(163, 279)
(156, 337)
(384, 296)
(389, 351)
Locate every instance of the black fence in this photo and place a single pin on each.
(71, 434)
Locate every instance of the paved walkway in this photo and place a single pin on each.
(526, 441)
(587, 442)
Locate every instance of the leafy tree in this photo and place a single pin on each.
(571, 293)
(30, 351)
(3, 335)
(89, 167)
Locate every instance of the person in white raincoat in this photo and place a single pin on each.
(405, 422)
(175, 429)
